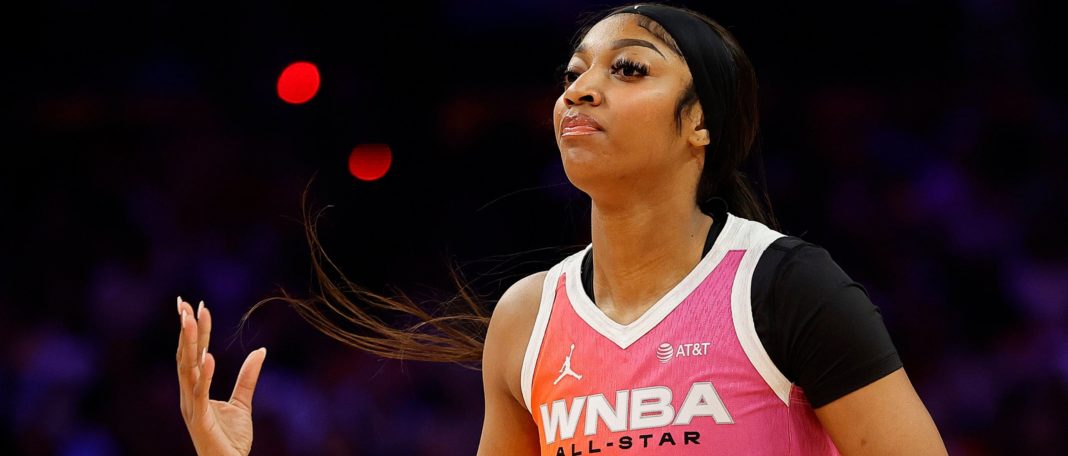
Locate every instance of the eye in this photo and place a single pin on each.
(570, 77)
(630, 68)
(626, 68)
(566, 75)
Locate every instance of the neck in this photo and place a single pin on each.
(643, 249)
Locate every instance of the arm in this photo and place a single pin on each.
(885, 417)
(827, 336)
(508, 427)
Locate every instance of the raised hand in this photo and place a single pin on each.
(218, 428)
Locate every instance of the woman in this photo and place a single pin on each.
(696, 329)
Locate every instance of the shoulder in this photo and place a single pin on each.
(510, 326)
(784, 261)
(816, 323)
(518, 305)
(799, 268)
(797, 278)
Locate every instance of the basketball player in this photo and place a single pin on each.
(696, 329)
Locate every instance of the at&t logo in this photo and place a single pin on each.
(667, 351)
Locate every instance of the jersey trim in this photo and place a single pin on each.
(755, 239)
(625, 335)
(545, 307)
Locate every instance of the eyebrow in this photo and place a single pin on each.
(622, 43)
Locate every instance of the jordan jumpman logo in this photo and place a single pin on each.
(566, 370)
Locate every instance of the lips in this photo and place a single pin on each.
(576, 124)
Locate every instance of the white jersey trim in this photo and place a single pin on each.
(541, 322)
(625, 335)
(755, 238)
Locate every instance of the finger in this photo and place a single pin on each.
(187, 307)
(204, 328)
(178, 353)
(188, 366)
(207, 371)
(185, 382)
(183, 388)
(246, 379)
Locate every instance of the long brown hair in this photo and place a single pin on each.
(455, 331)
(353, 315)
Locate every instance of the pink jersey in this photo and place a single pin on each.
(689, 377)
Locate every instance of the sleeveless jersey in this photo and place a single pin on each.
(688, 377)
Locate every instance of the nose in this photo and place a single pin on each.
(583, 91)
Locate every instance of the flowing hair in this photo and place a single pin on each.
(455, 335)
(456, 331)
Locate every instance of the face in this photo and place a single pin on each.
(615, 120)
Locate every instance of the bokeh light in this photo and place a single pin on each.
(370, 162)
(298, 83)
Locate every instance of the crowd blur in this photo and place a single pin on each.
(149, 156)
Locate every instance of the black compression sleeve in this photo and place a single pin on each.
(818, 325)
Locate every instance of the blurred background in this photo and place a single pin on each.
(152, 153)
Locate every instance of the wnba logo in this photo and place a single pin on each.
(664, 352)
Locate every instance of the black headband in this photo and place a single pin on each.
(706, 55)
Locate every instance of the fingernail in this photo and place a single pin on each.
(200, 308)
(179, 309)
(203, 354)
(183, 317)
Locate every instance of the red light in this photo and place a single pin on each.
(370, 162)
(298, 83)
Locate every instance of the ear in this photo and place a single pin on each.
(696, 133)
(699, 137)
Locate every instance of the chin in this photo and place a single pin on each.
(576, 156)
(585, 168)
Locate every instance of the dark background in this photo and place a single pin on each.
(921, 142)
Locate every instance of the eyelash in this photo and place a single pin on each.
(637, 69)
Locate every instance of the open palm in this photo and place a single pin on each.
(217, 428)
